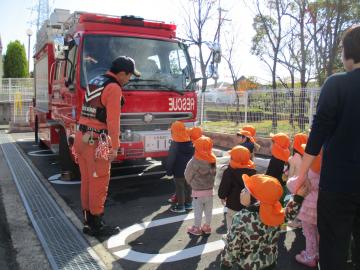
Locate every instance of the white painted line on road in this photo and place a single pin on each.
(25, 140)
(136, 175)
(56, 179)
(149, 166)
(41, 153)
(173, 256)
(119, 240)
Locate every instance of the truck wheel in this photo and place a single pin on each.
(69, 169)
(36, 130)
(39, 142)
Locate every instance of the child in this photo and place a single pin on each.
(231, 183)
(308, 215)
(180, 152)
(245, 139)
(294, 166)
(298, 152)
(194, 133)
(253, 237)
(280, 154)
(200, 174)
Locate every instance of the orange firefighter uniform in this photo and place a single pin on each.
(95, 173)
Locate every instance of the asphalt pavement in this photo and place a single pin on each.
(152, 237)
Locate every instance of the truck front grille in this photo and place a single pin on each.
(145, 127)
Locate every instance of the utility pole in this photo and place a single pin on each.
(220, 22)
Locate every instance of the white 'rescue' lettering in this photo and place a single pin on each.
(181, 104)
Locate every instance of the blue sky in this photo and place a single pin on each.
(16, 17)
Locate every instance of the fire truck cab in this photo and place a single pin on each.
(73, 48)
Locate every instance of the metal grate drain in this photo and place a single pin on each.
(64, 246)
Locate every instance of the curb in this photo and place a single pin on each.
(29, 252)
(105, 256)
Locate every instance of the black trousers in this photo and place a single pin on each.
(183, 191)
(338, 218)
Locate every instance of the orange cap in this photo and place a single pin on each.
(178, 132)
(280, 147)
(240, 158)
(246, 133)
(195, 133)
(251, 129)
(300, 139)
(203, 149)
(268, 191)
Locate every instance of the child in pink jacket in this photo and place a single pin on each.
(308, 215)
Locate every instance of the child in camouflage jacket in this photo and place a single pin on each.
(252, 241)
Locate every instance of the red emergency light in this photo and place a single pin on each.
(125, 20)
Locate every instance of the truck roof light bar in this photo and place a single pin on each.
(125, 20)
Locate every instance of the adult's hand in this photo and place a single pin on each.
(304, 168)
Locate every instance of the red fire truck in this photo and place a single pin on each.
(73, 48)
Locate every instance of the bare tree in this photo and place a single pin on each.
(267, 42)
(200, 17)
(231, 43)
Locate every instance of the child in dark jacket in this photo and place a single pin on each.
(180, 152)
(232, 184)
(194, 133)
(200, 174)
(245, 139)
(280, 154)
(252, 242)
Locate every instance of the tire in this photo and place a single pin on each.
(69, 168)
(36, 131)
(39, 142)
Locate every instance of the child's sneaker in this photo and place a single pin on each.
(177, 208)
(172, 199)
(188, 206)
(304, 259)
(194, 230)
(206, 229)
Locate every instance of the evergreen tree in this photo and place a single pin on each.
(15, 63)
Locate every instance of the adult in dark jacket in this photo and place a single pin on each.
(180, 152)
(336, 129)
(232, 184)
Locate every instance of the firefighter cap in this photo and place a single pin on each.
(124, 63)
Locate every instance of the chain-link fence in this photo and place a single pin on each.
(15, 98)
(281, 110)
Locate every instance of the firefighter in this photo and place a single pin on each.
(97, 141)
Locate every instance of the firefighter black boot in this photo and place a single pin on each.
(100, 229)
(88, 222)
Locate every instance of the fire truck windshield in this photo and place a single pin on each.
(164, 65)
